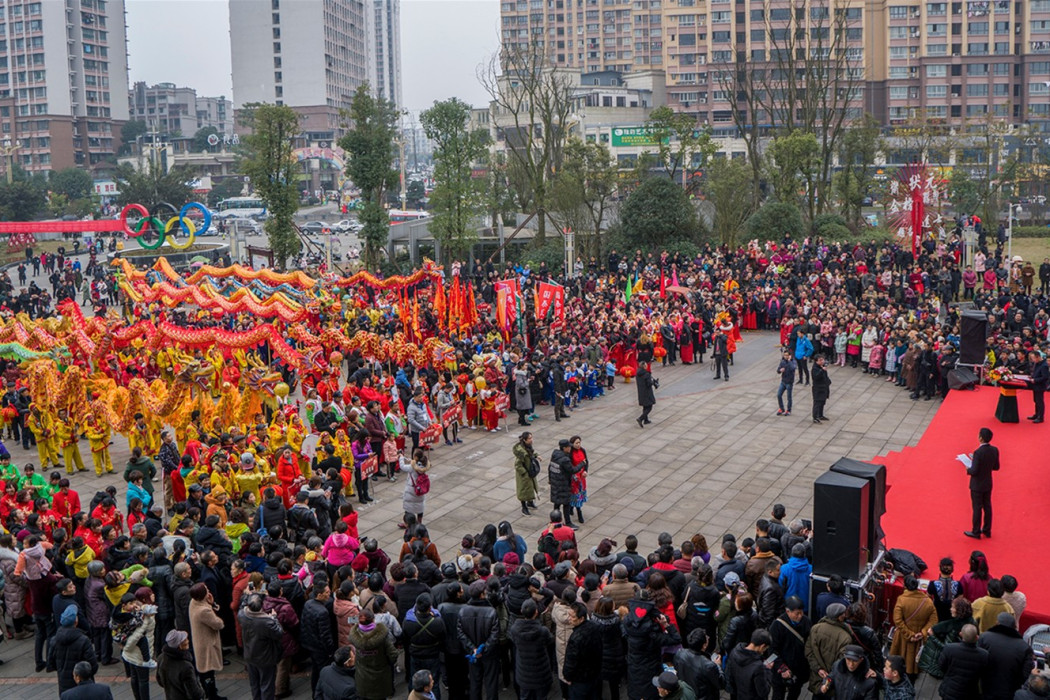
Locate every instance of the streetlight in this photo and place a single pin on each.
(8, 150)
(1010, 211)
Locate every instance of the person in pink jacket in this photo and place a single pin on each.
(339, 549)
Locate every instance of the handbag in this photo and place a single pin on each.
(533, 467)
(683, 609)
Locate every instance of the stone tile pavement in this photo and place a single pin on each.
(714, 460)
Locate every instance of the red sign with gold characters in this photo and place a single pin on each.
(451, 414)
(430, 436)
(369, 467)
(502, 402)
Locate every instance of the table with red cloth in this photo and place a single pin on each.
(1006, 408)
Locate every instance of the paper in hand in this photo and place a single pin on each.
(965, 459)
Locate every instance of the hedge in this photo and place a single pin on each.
(1031, 231)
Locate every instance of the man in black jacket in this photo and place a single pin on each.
(478, 632)
(849, 676)
(70, 646)
(86, 687)
(821, 388)
(561, 387)
(787, 639)
(262, 646)
(1010, 659)
(984, 461)
(747, 677)
(301, 517)
(533, 647)
(646, 394)
(962, 663)
(423, 638)
(315, 633)
(337, 679)
(325, 420)
(697, 668)
(180, 595)
(407, 594)
(770, 594)
(583, 656)
(456, 668)
(559, 476)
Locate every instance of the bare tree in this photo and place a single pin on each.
(532, 108)
(809, 80)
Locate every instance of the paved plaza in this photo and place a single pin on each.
(714, 460)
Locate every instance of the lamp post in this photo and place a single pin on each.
(1010, 214)
(9, 147)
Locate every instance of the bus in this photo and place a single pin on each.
(241, 208)
(398, 216)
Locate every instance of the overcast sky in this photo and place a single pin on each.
(442, 42)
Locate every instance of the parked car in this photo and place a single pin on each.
(244, 225)
(315, 228)
(346, 225)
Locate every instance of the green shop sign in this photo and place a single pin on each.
(626, 136)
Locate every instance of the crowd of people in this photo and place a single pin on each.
(252, 544)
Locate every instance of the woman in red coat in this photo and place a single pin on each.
(288, 474)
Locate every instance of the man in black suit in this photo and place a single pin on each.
(984, 461)
(1040, 379)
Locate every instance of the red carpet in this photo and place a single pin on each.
(928, 497)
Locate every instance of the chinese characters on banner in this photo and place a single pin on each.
(550, 296)
(508, 306)
(369, 467)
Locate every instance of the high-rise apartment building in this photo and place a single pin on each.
(954, 62)
(308, 54)
(387, 52)
(63, 82)
(172, 112)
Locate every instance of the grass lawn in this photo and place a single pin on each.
(1033, 249)
(12, 255)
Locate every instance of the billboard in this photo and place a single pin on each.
(628, 136)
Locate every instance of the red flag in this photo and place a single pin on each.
(439, 303)
(663, 284)
(472, 314)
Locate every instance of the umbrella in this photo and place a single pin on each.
(677, 289)
(199, 259)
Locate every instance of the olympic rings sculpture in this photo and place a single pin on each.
(153, 229)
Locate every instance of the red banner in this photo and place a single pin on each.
(451, 414)
(430, 436)
(502, 402)
(369, 467)
(544, 298)
(559, 307)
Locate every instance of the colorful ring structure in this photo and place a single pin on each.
(163, 231)
(185, 224)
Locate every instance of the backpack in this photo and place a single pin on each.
(421, 484)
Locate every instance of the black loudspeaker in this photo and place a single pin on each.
(973, 334)
(875, 474)
(841, 521)
(962, 378)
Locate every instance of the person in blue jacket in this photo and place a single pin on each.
(803, 351)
